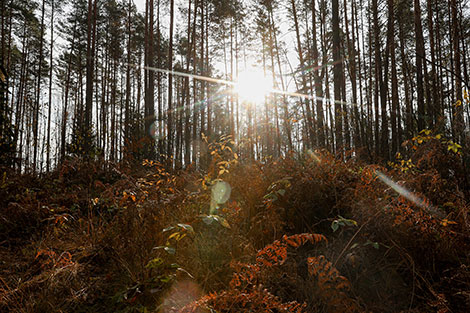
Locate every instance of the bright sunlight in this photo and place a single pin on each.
(253, 86)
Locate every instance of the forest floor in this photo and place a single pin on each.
(307, 233)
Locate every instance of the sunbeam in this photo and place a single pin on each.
(235, 84)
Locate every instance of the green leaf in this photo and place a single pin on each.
(168, 229)
(208, 219)
(373, 244)
(170, 250)
(341, 221)
(334, 225)
(166, 279)
(157, 262)
(271, 196)
(222, 221)
(187, 227)
(354, 245)
(350, 222)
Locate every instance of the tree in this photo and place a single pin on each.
(391, 51)
(420, 57)
(337, 76)
(149, 115)
(90, 67)
(170, 83)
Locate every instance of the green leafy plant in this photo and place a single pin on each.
(341, 222)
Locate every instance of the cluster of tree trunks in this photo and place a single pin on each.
(391, 77)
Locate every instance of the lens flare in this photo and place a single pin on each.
(401, 190)
(428, 207)
(183, 293)
(156, 127)
(153, 130)
(220, 193)
(314, 156)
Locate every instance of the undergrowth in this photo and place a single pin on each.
(304, 233)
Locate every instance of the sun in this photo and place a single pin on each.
(252, 86)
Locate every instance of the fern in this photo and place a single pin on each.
(246, 293)
(331, 286)
(257, 300)
(276, 253)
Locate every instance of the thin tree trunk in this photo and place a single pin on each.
(66, 97)
(159, 86)
(318, 81)
(459, 124)
(420, 57)
(196, 61)
(48, 160)
(337, 76)
(395, 104)
(352, 74)
(127, 121)
(408, 103)
(309, 123)
(170, 83)
(38, 92)
(287, 122)
(186, 90)
(90, 59)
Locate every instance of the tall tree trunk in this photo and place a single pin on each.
(38, 92)
(203, 101)
(186, 89)
(66, 97)
(170, 83)
(420, 57)
(277, 139)
(379, 76)
(459, 124)
(308, 123)
(196, 61)
(48, 159)
(318, 81)
(337, 76)
(127, 121)
(161, 148)
(209, 103)
(90, 59)
(149, 110)
(287, 122)
(405, 72)
(434, 110)
(3, 33)
(352, 74)
(395, 104)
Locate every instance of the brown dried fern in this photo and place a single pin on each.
(331, 286)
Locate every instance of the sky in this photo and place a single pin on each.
(140, 5)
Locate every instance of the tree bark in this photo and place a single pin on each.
(337, 77)
(170, 83)
(38, 91)
(48, 160)
(308, 122)
(420, 57)
(90, 65)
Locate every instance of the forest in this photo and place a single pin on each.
(235, 156)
